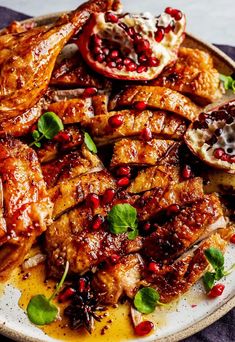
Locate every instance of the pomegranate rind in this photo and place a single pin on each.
(165, 51)
(197, 139)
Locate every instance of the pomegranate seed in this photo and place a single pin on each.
(172, 209)
(131, 31)
(131, 67)
(141, 68)
(232, 239)
(143, 58)
(159, 35)
(108, 196)
(114, 54)
(123, 181)
(232, 159)
(97, 40)
(100, 58)
(90, 92)
(216, 291)
(142, 45)
(81, 285)
(93, 201)
(97, 222)
(169, 10)
(153, 267)
(140, 105)
(176, 14)
(119, 67)
(153, 62)
(144, 328)
(115, 121)
(168, 29)
(112, 65)
(97, 50)
(218, 153)
(62, 137)
(124, 171)
(106, 51)
(66, 294)
(187, 172)
(225, 157)
(127, 61)
(146, 226)
(119, 60)
(146, 134)
(111, 17)
(137, 38)
(114, 258)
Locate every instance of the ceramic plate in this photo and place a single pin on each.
(190, 315)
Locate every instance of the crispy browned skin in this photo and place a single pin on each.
(140, 153)
(154, 177)
(18, 27)
(25, 205)
(114, 281)
(23, 80)
(67, 194)
(177, 278)
(156, 200)
(161, 124)
(193, 74)
(176, 236)
(157, 98)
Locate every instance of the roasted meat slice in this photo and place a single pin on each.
(141, 153)
(69, 193)
(157, 98)
(159, 199)
(161, 124)
(25, 204)
(190, 225)
(71, 165)
(160, 176)
(193, 74)
(123, 278)
(176, 279)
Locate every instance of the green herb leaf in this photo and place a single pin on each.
(37, 143)
(50, 125)
(89, 143)
(215, 258)
(40, 310)
(208, 280)
(146, 300)
(228, 82)
(36, 134)
(121, 218)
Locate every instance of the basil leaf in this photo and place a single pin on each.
(215, 258)
(36, 134)
(89, 143)
(227, 80)
(40, 311)
(121, 218)
(208, 280)
(146, 300)
(50, 125)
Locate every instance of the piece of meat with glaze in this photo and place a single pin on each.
(141, 153)
(160, 123)
(185, 229)
(25, 204)
(23, 80)
(156, 97)
(112, 282)
(176, 279)
(194, 75)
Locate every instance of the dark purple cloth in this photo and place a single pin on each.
(222, 330)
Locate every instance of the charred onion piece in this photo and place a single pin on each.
(212, 137)
(130, 46)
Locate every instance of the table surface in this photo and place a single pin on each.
(212, 20)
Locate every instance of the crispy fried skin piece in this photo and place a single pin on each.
(67, 194)
(161, 124)
(193, 74)
(141, 153)
(156, 200)
(160, 176)
(190, 225)
(176, 279)
(23, 80)
(123, 278)
(25, 204)
(157, 98)
(71, 165)
(18, 27)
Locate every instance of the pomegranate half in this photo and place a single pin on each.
(132, 47)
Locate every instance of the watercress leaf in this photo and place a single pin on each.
(227, 80)
(41, 311)
(219, 273)
(233, 85)
(121, 217)
(215, 257)
(50, 125)
(90, 143)
(133, 234)
(37, 143)
(146, 300)
(36, 134)
(208, 280)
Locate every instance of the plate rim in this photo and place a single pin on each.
(204, 322)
